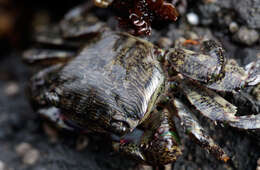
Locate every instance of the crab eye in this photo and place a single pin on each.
(119, 127)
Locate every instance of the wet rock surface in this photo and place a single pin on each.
(249, 11)
(27, 143)
(246, 12)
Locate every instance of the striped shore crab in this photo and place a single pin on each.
(93, 79)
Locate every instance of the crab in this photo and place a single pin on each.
(93, 79)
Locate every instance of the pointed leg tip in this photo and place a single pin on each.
(225, 158)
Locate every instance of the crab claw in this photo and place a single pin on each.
(193, 65)
(156, 144)
(234, 79)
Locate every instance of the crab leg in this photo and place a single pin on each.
(209, 103)
(248, 122)
(157, 142)
(77, 24)
(196, 132)
(210, 67)
(129, 145)
(51, 35)
(216, 108)
(54, 115)
(47, 56)
(39, 83)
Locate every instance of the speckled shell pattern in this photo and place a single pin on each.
(114, 80)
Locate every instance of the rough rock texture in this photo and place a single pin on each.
(249, 11)
(246, 11)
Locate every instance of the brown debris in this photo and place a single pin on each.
(140, 14)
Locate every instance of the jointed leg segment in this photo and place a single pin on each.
(158, 143)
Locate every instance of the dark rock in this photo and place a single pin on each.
(249, 11)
